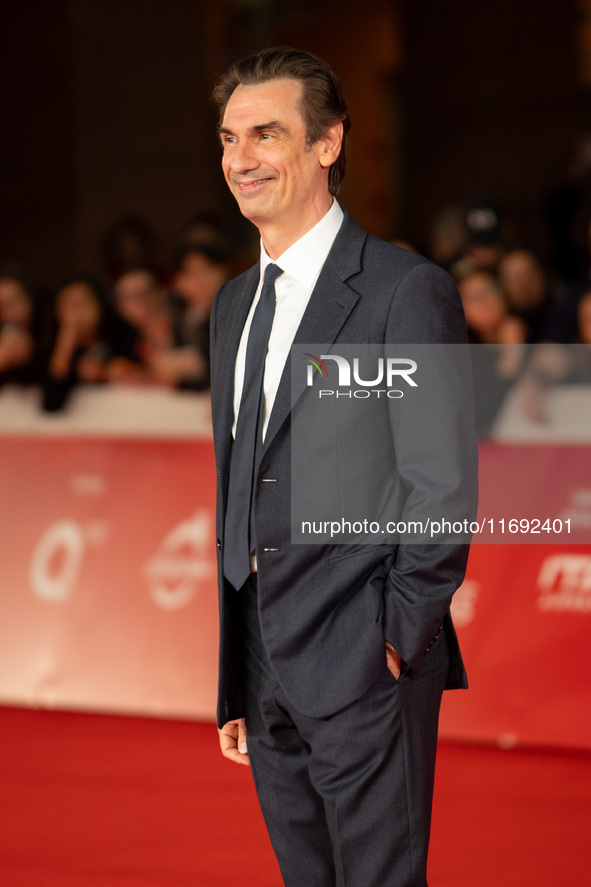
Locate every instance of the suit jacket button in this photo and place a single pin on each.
(219, 544)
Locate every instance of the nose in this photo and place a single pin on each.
(241, 158)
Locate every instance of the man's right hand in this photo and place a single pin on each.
(393, 659)
(233, 741)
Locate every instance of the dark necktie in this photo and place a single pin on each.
(237, 541)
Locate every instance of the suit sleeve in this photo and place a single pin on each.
(436, 459)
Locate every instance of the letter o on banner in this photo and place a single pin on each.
(56, 562)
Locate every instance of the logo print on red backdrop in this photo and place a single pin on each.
(58, 557)
(564, 582)
(182, 562)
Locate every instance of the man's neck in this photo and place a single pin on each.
(277, 238)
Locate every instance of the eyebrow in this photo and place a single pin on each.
(260, 127)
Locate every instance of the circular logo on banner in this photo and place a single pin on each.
(56, 561)
(181, 563)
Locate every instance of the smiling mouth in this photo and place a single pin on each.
(252, 184)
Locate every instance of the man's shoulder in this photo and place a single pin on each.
(418, 299)
(241, 281)
(393, 256)
(362, 253)
(233, 291)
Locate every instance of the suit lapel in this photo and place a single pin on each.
(230, 326)
(330, 304)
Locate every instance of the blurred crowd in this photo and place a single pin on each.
(511, 295)
(136, 323)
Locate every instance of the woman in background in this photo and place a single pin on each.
(92, 343)
(20, 329)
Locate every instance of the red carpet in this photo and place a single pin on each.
(91, 800)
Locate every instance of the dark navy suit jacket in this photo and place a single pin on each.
(325, 610)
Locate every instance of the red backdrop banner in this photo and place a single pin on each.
(107, 573)
(522, 616)
(108, 594)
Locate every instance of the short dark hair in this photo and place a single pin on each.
(322, 104)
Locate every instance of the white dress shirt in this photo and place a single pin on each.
(301, 265)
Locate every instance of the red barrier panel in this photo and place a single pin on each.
(523, 614)
(522, 617)
(108, 592)
(107, 573)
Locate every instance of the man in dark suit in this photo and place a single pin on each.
(333, 658)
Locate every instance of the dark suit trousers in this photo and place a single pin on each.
(347, 798)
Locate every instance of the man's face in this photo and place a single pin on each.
(276, 178)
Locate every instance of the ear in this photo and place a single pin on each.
(329, 145)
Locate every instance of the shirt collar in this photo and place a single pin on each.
(304, 258)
